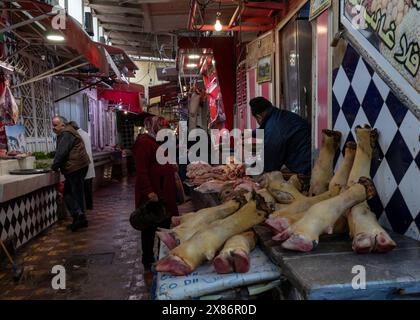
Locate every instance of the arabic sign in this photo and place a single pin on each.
(317, 7)
(391, 27)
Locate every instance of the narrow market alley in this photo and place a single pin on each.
(206, 151)
(101, 262)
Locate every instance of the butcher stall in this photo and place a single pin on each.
(299, 238)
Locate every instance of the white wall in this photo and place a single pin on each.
(147, 75)
(75, 9)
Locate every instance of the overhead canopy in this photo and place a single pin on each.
(120, 58)
(34, 19)
(126, 97)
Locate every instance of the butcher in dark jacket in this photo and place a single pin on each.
(287, 137)
(72, 160)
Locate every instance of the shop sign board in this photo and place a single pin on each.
(264, 69)
(317, 7)
(16, 140)
(388, 30)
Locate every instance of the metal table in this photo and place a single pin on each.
(326, 272)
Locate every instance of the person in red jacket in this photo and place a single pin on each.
(153, 181)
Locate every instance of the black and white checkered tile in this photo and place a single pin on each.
(361, 97)
(24, 217)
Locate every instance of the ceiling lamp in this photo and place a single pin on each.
(191, 65)
(194, 56)
(218, 26)
(55, 37)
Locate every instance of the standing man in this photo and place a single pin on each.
(73, 161)
(287, 137)
(91, 169)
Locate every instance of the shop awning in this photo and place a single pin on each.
(75, 37)
(121, 59)
(125, 97)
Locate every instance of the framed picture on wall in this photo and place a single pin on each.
(264, 69)
(16, 139)
(317, 7)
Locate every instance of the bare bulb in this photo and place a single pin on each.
(218, 26)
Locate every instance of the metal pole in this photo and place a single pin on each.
(77, 91)
(51, 75)
(55, 68)
(29, 21)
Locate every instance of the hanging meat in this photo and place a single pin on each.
(203, 245)
(367, 234)
(323, 169)
(9, 110)
(234, 257)
(321, 217)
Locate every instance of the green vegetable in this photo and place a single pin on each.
(42, 165)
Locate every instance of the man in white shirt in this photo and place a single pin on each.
(91, 169)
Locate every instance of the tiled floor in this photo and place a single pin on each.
(101, 262)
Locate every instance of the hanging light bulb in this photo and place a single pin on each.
(218, 26)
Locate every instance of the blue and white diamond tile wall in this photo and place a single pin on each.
(361, 97)
(25, 217)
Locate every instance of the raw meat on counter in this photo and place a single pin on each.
(283, 191)
(204, 244)
(323, 169)
(282, 219)
(234, 257)
(194, 222)
(367, 234)
(200, 172)
(213, 186)
(321, 217)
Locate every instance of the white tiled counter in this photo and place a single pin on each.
(14, 186)
(28, 205)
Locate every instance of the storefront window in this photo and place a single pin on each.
(296, 48)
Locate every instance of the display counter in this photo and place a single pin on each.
(332, 269)
(103, 168)
(28, 205)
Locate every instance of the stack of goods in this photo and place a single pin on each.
(220, 234)
(336, 203)
(212, 179)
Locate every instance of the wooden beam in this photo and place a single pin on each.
(115, 9)
(191, 16)
(122, 27)
(131, 43)
(137, 36)
(137, 50)
(210, 27)
(266, 5)
(120, 19)
(148, 25)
